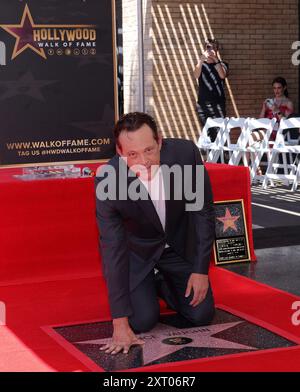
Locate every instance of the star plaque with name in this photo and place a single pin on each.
(171, 340)
(231, 243)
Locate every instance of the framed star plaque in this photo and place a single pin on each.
(231, 243)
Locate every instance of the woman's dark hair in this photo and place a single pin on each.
(212, 42)
(283, 83)
(131, 122)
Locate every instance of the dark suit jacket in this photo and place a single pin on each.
(131, 235)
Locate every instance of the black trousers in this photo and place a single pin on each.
(211, 109)
(176, 272)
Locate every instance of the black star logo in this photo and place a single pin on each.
(26, 85)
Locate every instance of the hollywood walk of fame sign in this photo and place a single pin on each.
(58, 82)
(231, 243)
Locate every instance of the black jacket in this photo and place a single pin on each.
(131, 235)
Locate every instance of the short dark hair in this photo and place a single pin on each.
(131, 122)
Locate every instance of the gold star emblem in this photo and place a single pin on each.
(23, 33)
(229, 220)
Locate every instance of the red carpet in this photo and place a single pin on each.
(258, 303)
(48, 228)
(26, 347)
(51, 275)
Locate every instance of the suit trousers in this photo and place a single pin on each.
(170, 284)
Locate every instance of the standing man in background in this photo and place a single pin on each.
(211, 73)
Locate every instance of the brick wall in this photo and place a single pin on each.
(256, 38)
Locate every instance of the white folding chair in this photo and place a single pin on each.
(235, 147)
(205, 143)
(282, 148)
(297, 177)
(257, 149)
(292, 140)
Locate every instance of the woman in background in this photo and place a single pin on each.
(280, 105)
(211, 72)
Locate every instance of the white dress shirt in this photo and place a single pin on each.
(156, 190)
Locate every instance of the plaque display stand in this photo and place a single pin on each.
(231, 243)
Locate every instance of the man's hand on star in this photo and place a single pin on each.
(123, 338)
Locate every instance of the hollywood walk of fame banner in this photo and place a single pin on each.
(231, 242)
(57, 81)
